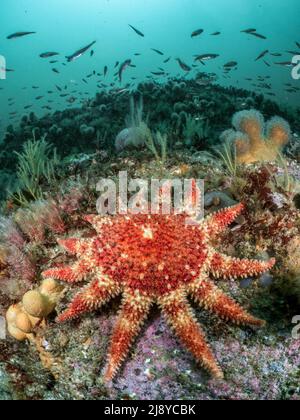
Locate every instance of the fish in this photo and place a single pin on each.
(122, 68)
(7, 70)
(137, 54)
(19, 35)
(276, 54)
(157, 51)
(249, 31)
(167, 60)
(48, 54)
(92, 53)
(215, 33)
(184, 66)
(262, 55)
(158, 73)
(53, 61)
(105, 71)
(137, 31)
(197, 33)
(230, 64)
(39, 97)
(205, 57)
(116, 65)
(285, 64)
(27, 106)
(55, 70)
(298, 44)
(266, 63)
(80, 52)
(293, 52)
(257, 35)
(58, 88)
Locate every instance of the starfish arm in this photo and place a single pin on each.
(218, 222)
(179, 315)
(71, 273)
(213, 299)
(134, 311)
(222, 266)
(95, 295)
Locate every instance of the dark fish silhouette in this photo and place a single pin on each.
(105, 71)
(266, 63)
(80, 52)
(197, 33)
(293, 52)
(276, 54)
(48, 54)
(137, 31)
(285, 64)
(257, 35)
(216, 33)
(19, 35)
(157, 51)
(262, 55)
(116, 65)
(55, 71)
(167, 60)
(92, 53)
(184, 66)
(249, 31)
(298, 44)
(158, 73)
(122, 68)
(205, 57)
(230, 64)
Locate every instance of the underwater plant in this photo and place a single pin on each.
(36, 217)
(227, 153)
(255, 140)
(156, 259)
(154, 143)
(36, 164)
(195, 130)
(13, 246)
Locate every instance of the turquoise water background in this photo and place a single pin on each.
(67, 25)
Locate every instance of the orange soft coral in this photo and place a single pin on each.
(156, 259)
(254, 140)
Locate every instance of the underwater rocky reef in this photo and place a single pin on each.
(246, 149)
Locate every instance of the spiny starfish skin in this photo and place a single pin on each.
(156, 259)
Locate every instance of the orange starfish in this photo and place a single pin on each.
(156, 259)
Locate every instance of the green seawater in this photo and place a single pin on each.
(65, 26)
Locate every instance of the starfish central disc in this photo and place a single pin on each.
(154, 254)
